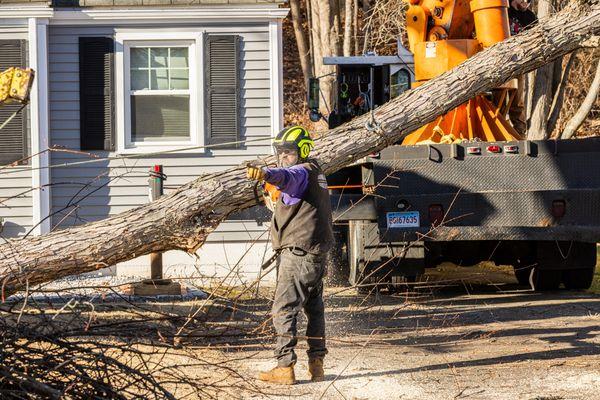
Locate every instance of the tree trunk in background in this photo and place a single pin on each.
(183, 219)
(542, 89)
(322, 40)
(311, 46)
(557, 72)
(301, 40)
(575, 122)
(541, 101)
(336, 28)
(559, 94)
(355, 25)
(366, 7)
(348, 31)
(315, 33)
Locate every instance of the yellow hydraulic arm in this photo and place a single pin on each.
(15, 85)
(443, 34)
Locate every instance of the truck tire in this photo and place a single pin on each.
(545, 279)
(576, 279)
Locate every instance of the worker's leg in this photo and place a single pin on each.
(315, 313)
(289, 298)
(300, 280)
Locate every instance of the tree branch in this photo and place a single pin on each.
(575, 122)
(557, 103)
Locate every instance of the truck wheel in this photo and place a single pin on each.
(545, 279)
(580, 278)
(522, 273)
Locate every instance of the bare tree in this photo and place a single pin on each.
(575, 122)
(301, 39)
(385, 22)
(323, 37)
(348, 27)
(541, 96)
(183, 220)
(355, 27)
(325, 43)
(336, 27)
(559, 91)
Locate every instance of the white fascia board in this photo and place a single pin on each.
(40, 174)
(13, 22)
(167, 15)
(25, 11)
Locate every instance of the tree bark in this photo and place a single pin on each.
(347, 48)
(322, 23)
(542, 98)
(311, 45)
(542, 89)
(336, 28)
(557, 70)
(183, 220)
(575, 122)
(355, 27)
(560, 94)
(301, 40)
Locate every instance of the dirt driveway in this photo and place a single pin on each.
(475, 339)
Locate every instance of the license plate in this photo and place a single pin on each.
(403, 219)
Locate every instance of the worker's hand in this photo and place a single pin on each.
(255, 173)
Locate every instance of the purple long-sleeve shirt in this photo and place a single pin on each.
(292, 182)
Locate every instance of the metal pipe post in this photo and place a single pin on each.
(155, 184)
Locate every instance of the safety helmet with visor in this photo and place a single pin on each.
(294, 138)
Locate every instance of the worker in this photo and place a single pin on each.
(520, 18)
(301, 231)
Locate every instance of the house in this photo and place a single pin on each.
(133, 78)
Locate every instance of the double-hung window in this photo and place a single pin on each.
(157, 108)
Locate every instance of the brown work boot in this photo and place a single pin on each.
(281, 375)
(315, 368)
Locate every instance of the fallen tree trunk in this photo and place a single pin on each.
(183, 219)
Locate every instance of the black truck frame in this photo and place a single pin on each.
(534, 205)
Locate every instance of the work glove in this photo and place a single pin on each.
(255, 173)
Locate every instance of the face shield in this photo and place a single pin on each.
(287, 155)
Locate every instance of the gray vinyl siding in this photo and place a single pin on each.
(16, 208)
(111, 187)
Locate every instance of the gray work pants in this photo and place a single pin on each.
(299, 286)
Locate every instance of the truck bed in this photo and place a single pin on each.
(489, 191)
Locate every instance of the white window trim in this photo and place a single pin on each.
(40, 125)
(276, 76)
(123, 41)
